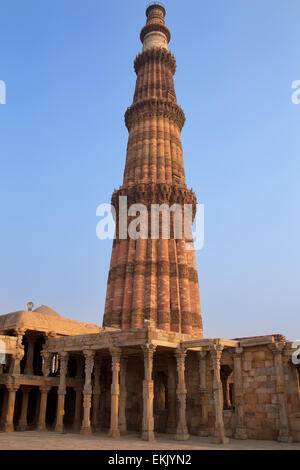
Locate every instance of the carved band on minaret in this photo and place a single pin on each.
(154, 54)
(154, 107)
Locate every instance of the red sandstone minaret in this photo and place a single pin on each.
(154, 279)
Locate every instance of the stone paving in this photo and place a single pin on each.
(43, 440)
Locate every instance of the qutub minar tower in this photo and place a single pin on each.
(148, 369)
(154, 279)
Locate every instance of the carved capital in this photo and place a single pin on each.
(88, 354)
(46, 354)
(115, 362)
(115, 354)
(216, 353)
(148, 350)
(50, 334)
(18, 354)
(180, 355)
(202, 354)
(278, 347)
(19, 331)
(63, 356)
(238, 352)
(89, 360)
(12, 387)
(45, 388)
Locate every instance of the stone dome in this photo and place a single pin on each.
(45, 310)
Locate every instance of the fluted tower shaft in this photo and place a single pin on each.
(154, 279)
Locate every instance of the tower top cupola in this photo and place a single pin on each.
(155, 33)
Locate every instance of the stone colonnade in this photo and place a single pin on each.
(91, 395)
(177, 389)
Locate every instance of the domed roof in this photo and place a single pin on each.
(46, 311)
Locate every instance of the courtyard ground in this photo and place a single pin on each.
(43, 440)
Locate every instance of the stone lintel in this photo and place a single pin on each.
(124, 344)
(166, 344)
(199, 344)
(256, 341)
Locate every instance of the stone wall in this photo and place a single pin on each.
(260, 396)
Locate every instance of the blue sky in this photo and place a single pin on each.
(68, 68)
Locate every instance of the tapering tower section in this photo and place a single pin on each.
(154, 278)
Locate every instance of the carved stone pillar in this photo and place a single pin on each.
(80, 363)
(219, 433)
(30, 354)
(47, 362)
(284, 429)
(87, 392)
(19, 354)
(16, 357)
(44, 389)
(9, 418)
(61, 393)
(56, 362)
(123, 396)
(171, 424)
(22, 424)
(4, 408)
(96, 395)
(148, 394)
(115, 390)
(240, 430)
(182, 433)
(19, 332)
(203, 429)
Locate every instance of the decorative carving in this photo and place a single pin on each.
(115, 391)
(155, 54)
(154, 107)
(63, 357)
(219, 432)
(150, 27)
(89, 364)
(156, 193)
(182, 430)
(148, 393)
(47, 359)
